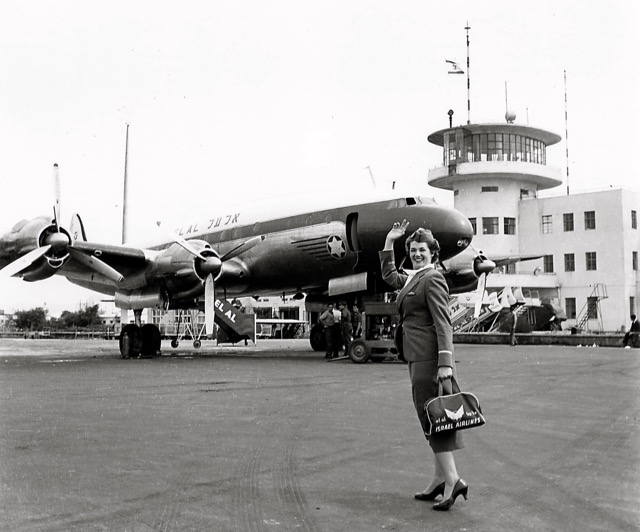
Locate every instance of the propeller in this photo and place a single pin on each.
(24, 262)
(96, 265)
(482, 266)
(210, 267)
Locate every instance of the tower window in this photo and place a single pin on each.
(591, 261)
(590, 220)
(567, 221)
(634, 220)
(548, 263)
(509, 226)
(569, 262)
(490, 189)
(547, 224)
(473, 224)
(490, 226)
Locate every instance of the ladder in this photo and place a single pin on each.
(591, 309)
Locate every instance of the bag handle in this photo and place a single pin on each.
(451, 388)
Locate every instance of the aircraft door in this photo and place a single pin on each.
(352, 232)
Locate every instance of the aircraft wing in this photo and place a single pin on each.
(512, 259)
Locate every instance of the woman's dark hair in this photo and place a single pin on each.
(426, 236)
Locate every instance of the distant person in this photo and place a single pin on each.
(427, 340)
(328, 321)
(632, 333)
(512, 326)
(237, 304)
(345, 326)
(356, 322)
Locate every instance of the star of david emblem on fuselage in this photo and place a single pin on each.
(336, 247)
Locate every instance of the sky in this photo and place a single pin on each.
(233, 100)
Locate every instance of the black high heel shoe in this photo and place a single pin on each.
(461, 488)
(431, 496)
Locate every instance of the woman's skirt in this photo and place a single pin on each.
(424, 386)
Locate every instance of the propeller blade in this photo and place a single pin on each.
(24, 262)
(97, 265)
(482, 280)
(209, 305)
(182, 243)
(242, 247)
(56, 192)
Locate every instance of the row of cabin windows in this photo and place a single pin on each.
(524, 193)
(568, 222)
(491, 225)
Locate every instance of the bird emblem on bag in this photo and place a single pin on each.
(455, 416)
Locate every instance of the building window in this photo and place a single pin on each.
(567, 221)
(456, 192)
(548, 263)
(489, 189)
(509, 226)
(524, 193)
(547, 223)
(570, 307)
(592, 263)
(634, 220)
(592, 308)
(632, 305)
(490, 226)
(473, 224)
(634, 260)
(569, 262)
(589, 220)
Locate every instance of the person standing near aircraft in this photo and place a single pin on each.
(632, 333)
(356, 322)
(345, 326)
(423, 305)
(328, 321)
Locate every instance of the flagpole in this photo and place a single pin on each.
(467, 27)
(566, 128)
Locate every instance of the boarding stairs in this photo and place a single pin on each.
(591, 309)
(232, 325)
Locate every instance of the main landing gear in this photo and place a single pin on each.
(138, 341)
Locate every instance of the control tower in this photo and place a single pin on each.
(491, 168)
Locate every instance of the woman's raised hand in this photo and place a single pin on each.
(397, 230)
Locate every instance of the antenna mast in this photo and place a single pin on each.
(125, 193)
(467, 27)
(566, 128)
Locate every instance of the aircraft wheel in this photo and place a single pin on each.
(130, 341)
(151, 340)
(359, 351)
(174, 343)
(317, 338)
(197, 344)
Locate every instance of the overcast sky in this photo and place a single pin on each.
(233, 99)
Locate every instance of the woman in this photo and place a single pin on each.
(427, 338)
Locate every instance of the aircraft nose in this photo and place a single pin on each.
(454, 234)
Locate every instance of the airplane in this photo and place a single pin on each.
(323, 246)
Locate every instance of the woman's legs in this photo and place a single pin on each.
(446, 464)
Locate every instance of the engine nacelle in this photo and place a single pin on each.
(148, 297)
(29, 235)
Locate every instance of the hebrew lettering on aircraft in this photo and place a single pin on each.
(211, 223)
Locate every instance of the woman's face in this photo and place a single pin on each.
(419, 254)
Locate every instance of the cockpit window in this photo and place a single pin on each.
(411, 201)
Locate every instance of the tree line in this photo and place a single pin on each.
(36, 319)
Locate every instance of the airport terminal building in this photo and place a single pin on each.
(588, 242)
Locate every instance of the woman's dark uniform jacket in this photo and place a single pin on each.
(427, 336)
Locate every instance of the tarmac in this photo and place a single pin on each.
(273, 437)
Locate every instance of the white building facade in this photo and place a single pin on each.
(589, 241)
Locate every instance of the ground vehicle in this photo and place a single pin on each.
(379, 323)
